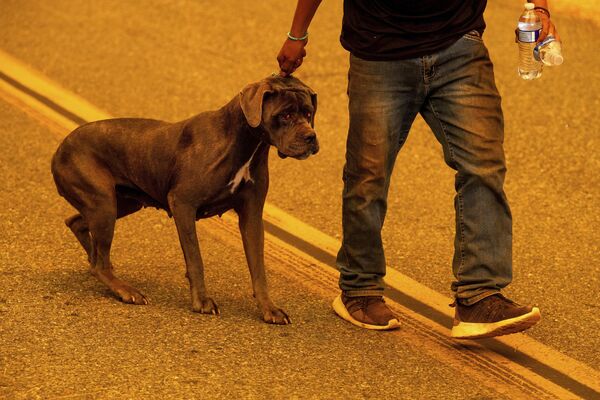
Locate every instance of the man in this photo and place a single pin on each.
(423, 57)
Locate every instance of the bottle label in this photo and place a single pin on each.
(528, 36)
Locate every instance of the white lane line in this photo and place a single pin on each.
(37, 82)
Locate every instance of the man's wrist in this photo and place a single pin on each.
(299, 38)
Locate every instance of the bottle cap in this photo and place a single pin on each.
(529, 6)
(555, 59)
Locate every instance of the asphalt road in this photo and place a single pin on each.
(62, 334)
(170, 60)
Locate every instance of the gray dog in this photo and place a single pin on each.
(196, 168)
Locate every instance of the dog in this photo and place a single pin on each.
(193, 169)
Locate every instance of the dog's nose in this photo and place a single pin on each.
(311, 138)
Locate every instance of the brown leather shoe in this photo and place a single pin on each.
(368, 312)
(492, 316)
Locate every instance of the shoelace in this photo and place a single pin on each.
(363, 302)
(495, 308)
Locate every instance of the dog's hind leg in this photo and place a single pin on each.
(101, 220)
(90, 188)
(80, 229)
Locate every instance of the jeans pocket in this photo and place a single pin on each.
(473, 35)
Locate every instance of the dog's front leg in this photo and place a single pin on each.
(185, 219)
(252, 231)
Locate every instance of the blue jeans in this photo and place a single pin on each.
(455, 92)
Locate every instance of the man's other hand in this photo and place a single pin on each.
(548, 27)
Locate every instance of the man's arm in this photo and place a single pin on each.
(292, 52)
(548, 27)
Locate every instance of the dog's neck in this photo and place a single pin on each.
(235, 118)
(253, 143)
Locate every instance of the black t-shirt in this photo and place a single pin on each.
(394, 30)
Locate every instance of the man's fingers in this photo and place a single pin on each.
(280, 58)
(552, 31)
(545, 27)
(290, 57)
(287, 65)
(543, 34)
(548, 29)
(284, 61)
(299, 61)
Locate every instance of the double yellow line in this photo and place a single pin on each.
(558, 374)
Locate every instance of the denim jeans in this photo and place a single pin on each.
(455, 92)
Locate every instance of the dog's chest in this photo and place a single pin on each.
(225, 199)
(243, 174)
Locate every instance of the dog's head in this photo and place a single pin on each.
(285, 108)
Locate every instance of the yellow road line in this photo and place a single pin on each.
(395, 279)
(35, 104)
(49, 89)
(484, 366)
(38, 83)
(474, 354)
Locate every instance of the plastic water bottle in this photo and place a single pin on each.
(528, 32)
(549, 51)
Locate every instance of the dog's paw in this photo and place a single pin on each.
(129, 295)
(275, 315)
(205, 306)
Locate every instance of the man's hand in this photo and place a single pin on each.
(548, 27)
(292, 52)
(291, 55)
(543, 12)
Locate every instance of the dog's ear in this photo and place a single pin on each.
(251, 101)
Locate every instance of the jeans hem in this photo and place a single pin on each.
(469, 301)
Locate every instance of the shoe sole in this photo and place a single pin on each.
(340, 309)
(473, 330)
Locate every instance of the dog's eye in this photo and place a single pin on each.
(286, 116)
(308, 115)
